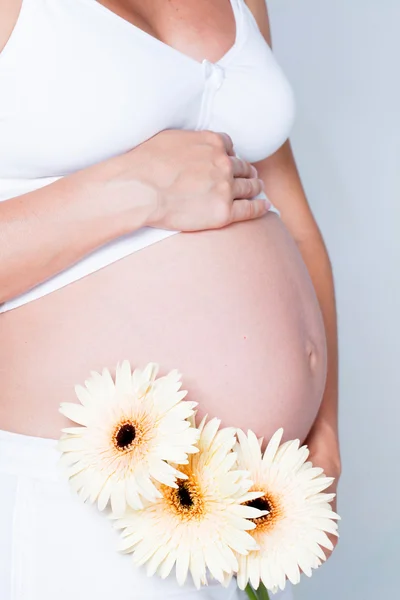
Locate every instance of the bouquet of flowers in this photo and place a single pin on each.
(200, 500)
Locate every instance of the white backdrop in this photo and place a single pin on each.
(342, 57)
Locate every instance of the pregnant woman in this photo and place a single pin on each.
(123, 123)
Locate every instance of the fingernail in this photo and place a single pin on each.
(262, 183)
(254, 171)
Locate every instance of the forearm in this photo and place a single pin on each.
(47, 230)
(169, 182)
(284, 188)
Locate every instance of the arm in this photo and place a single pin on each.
(47, 230)
(283, 186)
(170, 181)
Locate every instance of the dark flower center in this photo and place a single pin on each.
(260, 503)
(187, 501)
(184, 496)
(125, 436)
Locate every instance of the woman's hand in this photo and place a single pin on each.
(323, 444)
(179, 180)
(193, 180)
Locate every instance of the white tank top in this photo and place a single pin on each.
(79, 84)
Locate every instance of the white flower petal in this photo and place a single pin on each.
(118, 498)
(182, 566)
(254, 573)
(104, 495)
(272, 448)
(213, 562)
(84, 396)
(123, 378)
(75, 412)
(156, 560)
(290, 536)
(168, 564)
(101, 450)
(132, 495)
(218, 529)
(197, 567)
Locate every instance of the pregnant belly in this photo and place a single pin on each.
(234, 310)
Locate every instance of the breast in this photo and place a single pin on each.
(258, 114)
(79, 87)
(255, 104)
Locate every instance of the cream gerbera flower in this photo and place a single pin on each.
(201, 524)
(129, 429)
(290, 536)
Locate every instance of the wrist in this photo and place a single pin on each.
(324, 439)
(118, 199)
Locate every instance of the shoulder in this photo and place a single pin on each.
(9, 11)
(260, 12)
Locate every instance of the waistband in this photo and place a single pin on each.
(29, 456)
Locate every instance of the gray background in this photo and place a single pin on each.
(342, 58)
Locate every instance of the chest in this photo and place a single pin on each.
(81, 84)
(205, 29)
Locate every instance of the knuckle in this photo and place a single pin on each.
(246, 168)
(251, 213)
(213, 139)
(224, 191)
(254, 191)
(247, 188)
(225, 165)
(256, 187)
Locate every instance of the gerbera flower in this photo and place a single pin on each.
(201, 524)
(129, 429)
(298, 516)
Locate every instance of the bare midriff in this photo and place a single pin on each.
(234, 310)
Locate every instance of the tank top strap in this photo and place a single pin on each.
(244, 16)
(245, 20)
(237, 8)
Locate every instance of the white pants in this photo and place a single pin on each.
(54, 547)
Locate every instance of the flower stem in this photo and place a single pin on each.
(260, 594)
(251, 593)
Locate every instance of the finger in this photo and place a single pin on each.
(228, 144)
(242, 168)
(245, 210)
(246, 188)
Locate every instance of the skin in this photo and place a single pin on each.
(187, 181)
(276, 308)
(282, 181)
